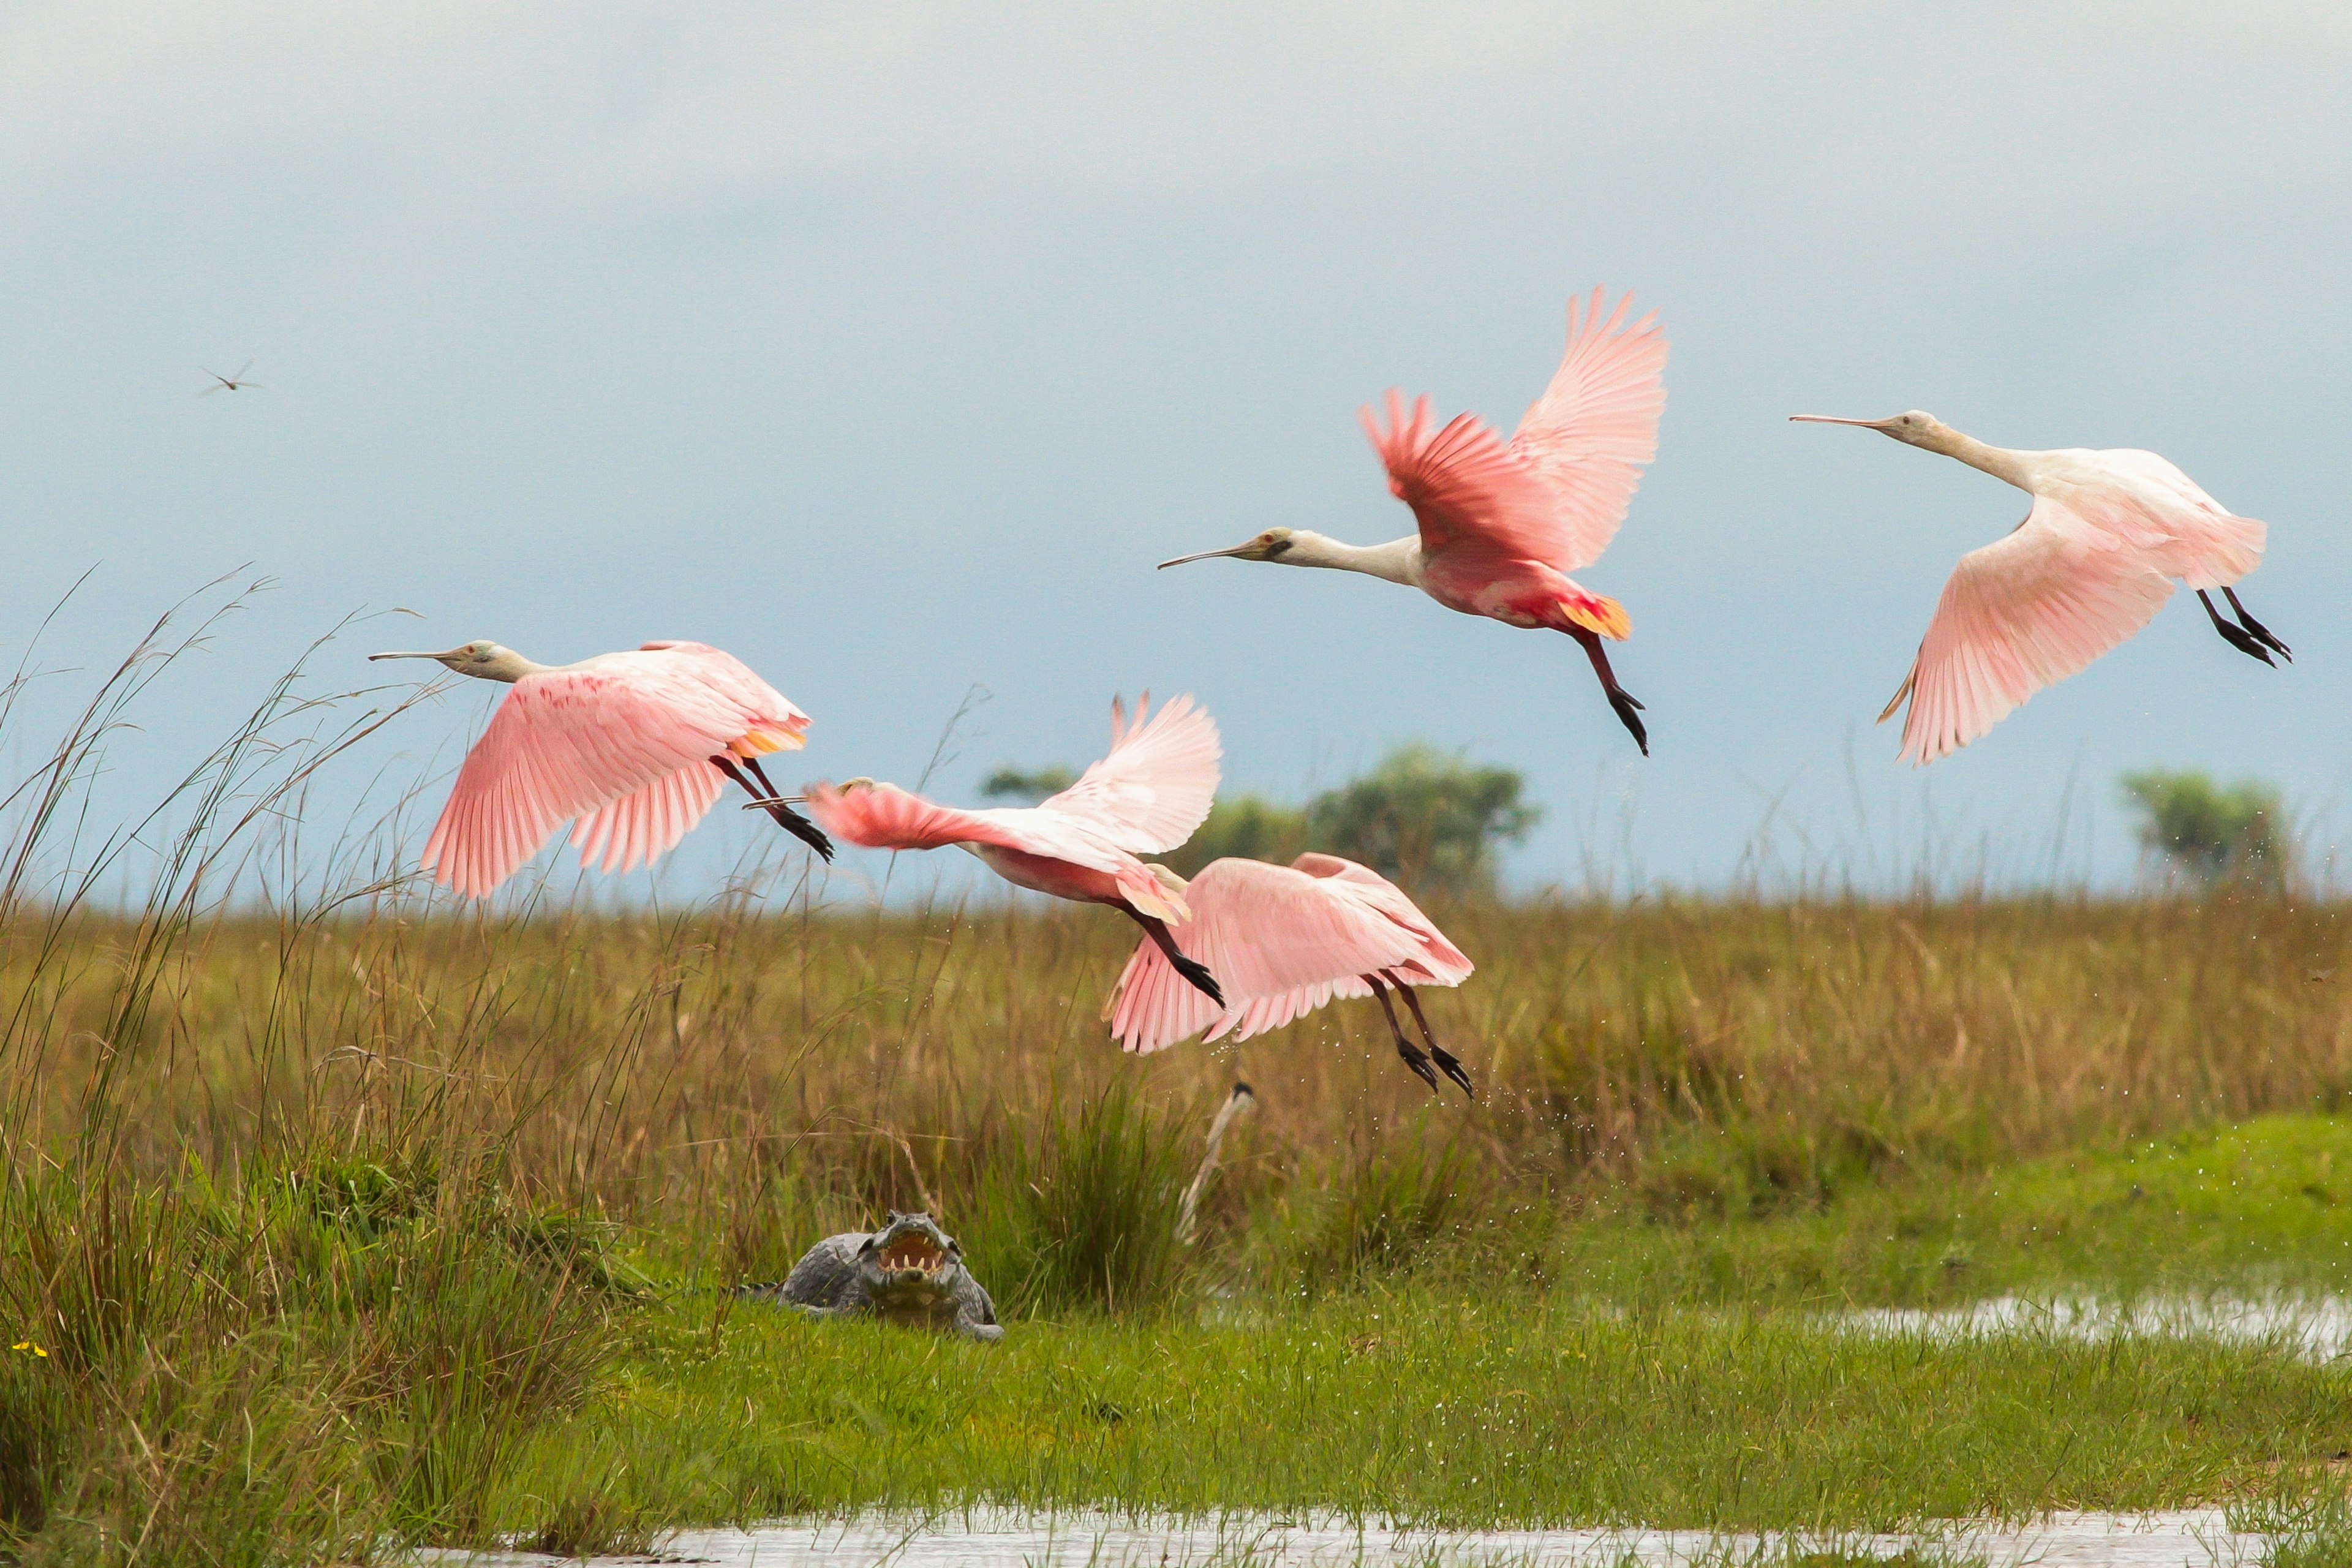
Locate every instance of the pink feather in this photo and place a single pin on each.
(622, 742)
(1282, 942)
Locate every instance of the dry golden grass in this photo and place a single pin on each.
(1716, 1054)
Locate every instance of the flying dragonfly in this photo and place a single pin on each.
(231, 383)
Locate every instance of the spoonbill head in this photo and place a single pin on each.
(1916, 428)
(481, 657)
(1274, 544)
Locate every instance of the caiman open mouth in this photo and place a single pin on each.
(914, 1251)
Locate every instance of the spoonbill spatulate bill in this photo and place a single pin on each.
(1500, 525)
(636, 746)
(1145, 797)
(2091, 564)
(1284, 940)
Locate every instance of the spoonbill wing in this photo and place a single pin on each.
(1439, 962)
(779, 726)
(1281, 942)
(645, 824)
(1158, 782)
(568, 743)
(1473, 499)
(2019, 614)
(1596, 424)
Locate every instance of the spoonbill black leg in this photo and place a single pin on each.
(775, 795)
(1447, 1062)
(2236, 637)
(791, 821)
(1628, 710)
(1414, 1057)
(1198, 973)
(2262, 632)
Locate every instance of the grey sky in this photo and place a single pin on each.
(890, 346)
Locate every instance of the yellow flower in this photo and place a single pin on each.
(29, 1345)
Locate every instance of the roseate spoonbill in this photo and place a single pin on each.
(1286, 940)
(2091, 564)
(1145, 797)
(231, 383)
(637, 745)
(1501, 526)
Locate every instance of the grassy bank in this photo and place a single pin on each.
(1423, 1404)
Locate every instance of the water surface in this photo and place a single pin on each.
(991, 1537)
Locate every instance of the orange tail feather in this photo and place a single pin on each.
(1601, 615)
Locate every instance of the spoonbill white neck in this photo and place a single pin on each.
(1925, 430)
(1398, 561)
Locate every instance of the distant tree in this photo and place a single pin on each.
(1027, 786)
(2207, 832)
(1247, 825)
(1431, 818)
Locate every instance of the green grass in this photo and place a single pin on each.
(1422, 1405)
(1573, 1383)
(2259, 1207)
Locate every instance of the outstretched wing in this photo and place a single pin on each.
(1595, 426)
(1439, 962)
(2017, 615)
(566, 743)
(1156, 784)
(1472, 497)
(1271, 935)
(642, 827)
(884, 816)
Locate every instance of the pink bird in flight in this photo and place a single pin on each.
(1501, 525)
(2090, 565)
(1145, 797)
(1284, 940)
(638, 746)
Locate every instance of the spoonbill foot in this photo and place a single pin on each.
(1201, 980)
(2236, 637)
(1418, 1060)
(1628, 710)
(1195, 971)
(1411, 1055)
(1629, 713)
(791, 821)
(1447, 1062)
(2262, 632)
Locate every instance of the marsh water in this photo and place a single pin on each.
(2317, 1327)
(986, 1538)
(2313, 1327)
